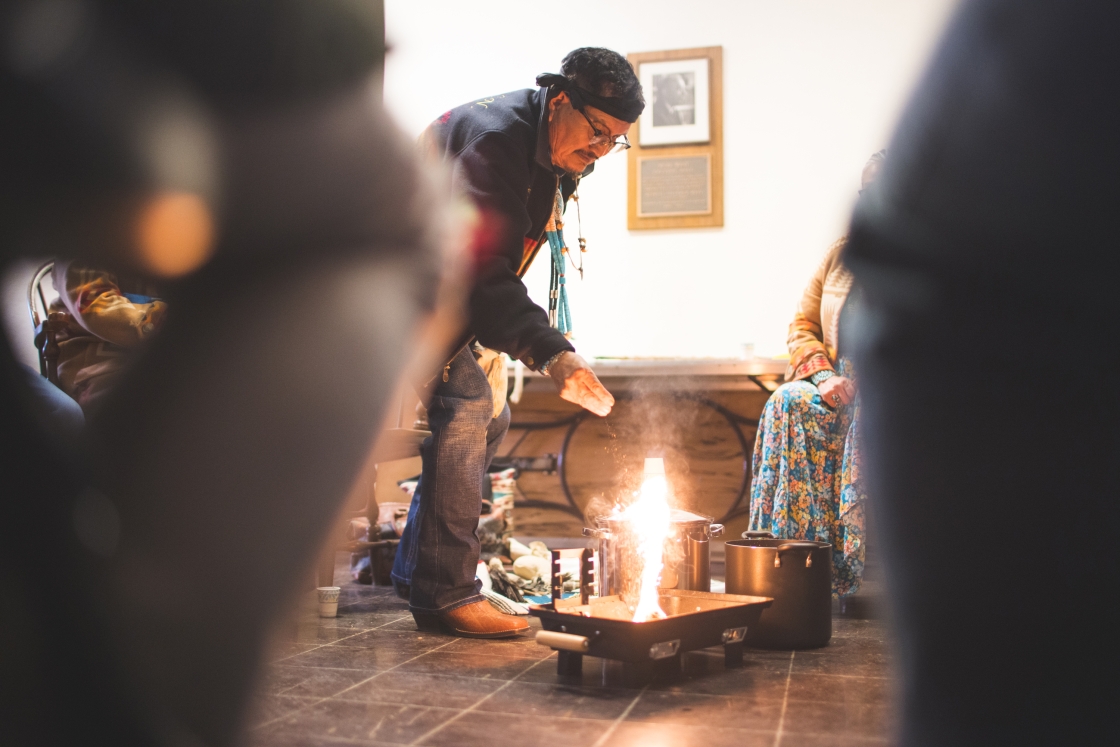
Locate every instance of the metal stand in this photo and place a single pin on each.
(733, 654)
(569, 663)
(586, 573)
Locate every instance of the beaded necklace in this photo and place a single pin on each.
(559, 310)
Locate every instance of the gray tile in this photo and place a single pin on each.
(351, 620)
(521, 647)
(754, 684)
(359, 722)
(689, 708)
(352, 657)
(830, 740)
(390, 685)
(853, 665)
(420, 688)
(478, 666)
(852, 645)
(867, 629)
(536, 700)
(394, 638)
(630, 734)
(476, 729)
(267, 708)
(312, 682)
(596, 673)
(767, 654)
(838, 689)
(837, 719)
(285, 649)
(380, 604)
(406, 624)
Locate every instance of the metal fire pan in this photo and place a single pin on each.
(696, 620)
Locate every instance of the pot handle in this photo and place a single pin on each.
(716, 530)
(757, 535)
(795, 545)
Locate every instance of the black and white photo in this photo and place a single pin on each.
(679, 102)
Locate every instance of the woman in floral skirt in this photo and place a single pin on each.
(806, 464)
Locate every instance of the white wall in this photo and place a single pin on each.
(811, 89)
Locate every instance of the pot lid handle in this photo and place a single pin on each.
(757, 535)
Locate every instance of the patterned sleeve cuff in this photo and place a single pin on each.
(812, 365)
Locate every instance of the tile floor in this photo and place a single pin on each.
(368, 677)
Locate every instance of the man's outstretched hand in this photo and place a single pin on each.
(577, 383)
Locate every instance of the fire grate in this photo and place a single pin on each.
(602, 627)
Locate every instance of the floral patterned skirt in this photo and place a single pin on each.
(806, 478)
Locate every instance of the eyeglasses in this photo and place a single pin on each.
(600, 138)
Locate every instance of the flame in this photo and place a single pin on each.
(648, 518)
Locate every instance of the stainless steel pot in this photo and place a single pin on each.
(687, 554)
(798, 575)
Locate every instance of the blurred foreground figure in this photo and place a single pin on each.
(987, 347)
(236, 152)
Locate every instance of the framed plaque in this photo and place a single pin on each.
(674, 185)
(675, 167)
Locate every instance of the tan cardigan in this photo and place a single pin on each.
(813, 333)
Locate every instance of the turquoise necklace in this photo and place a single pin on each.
(559, 310)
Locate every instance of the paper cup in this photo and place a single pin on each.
(328, 600)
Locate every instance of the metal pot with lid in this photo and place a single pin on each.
(797, 574)
(687, 554)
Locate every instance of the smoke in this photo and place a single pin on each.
(656, 418)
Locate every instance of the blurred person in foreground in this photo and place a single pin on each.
(518, 157)
(986, 347)
(806, 473)
(237, 153)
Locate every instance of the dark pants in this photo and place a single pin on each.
(987, 342)
(439, 551)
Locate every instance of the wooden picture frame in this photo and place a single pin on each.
(672, 193)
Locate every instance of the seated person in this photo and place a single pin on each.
(109, 315)
(806, 467)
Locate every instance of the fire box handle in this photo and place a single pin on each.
(563, 641)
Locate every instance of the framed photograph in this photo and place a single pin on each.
(677, 102)
(675, 167)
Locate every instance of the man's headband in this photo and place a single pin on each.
(628, 110)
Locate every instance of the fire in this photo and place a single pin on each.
(648, 518)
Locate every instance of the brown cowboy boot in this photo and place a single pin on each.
(477, 620)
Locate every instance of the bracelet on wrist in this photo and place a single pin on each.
(821, 376)
(548, 363)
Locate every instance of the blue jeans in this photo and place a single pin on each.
(439, 550)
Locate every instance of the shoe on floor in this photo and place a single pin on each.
(476, 620)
